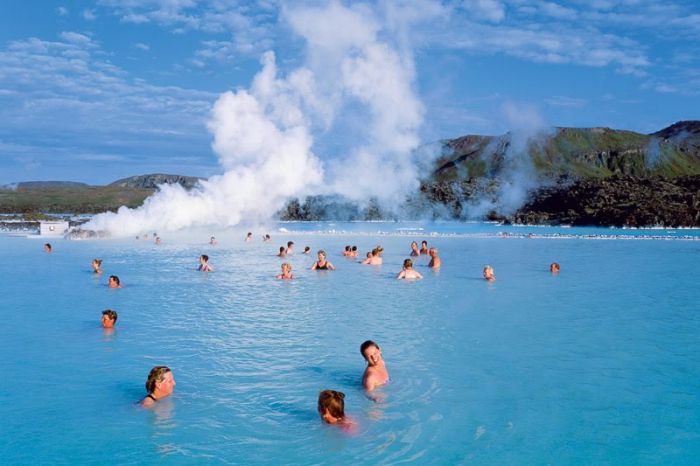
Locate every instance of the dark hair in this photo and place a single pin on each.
(307, 248)
(290, 243)
(354, 248)
(156, 375)
(47, 245)
(365, 345)
(347, 248)
(205, 257)
(333, 401)
(281, 248)
(111, 314)
(407, 264)
(115, 278)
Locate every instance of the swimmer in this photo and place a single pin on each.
(109, 318)
(435, 261)
(353, 251)
(368, 260)
(249, 237)
(554, 267)
(414, 249)
(204, 264)
(488, 274)
(160, 383)
(97, 265)
(157, 239)
(283, 252)
(290, 247)
(347, 251)
(424, 247)
(212, 241)
(331, 408)
(376, 374)
(47, 247)
(380, 250)
(114, 282)
(307, 250)
(408, 273)
(373, 258)
(286, 272)
(322, 263)
(266, 238)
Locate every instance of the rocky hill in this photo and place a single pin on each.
(152, 181)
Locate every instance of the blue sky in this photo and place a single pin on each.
(93, 91)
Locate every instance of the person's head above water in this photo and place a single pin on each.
(371, 352)
(96, 265)
(408, 264)
(331, 406)
(114, 282)
(290, 244)
(283, 251)
(554, 267)
(159, 384)
(47, 247)
(321, 255)
(307, 249)
(488, 273)
(204, 258)
(109, 318)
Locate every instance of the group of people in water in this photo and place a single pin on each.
(331, 403)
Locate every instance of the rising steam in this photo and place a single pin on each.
(263, 136)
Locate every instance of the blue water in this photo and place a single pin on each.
(598, 365)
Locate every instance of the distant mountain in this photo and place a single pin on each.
(152, 181)
(48, 184)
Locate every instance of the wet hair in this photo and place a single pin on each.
(287, 266)
(413, 242)
(111, 314)
(333, 401)
(97, 261)
(433, 249)
(424, 242)
(250, 233)
(267, 236)
(365, 345)
(48, 246)
(115, 278)
(321, 251)
(379, 249)
(290, 243)
(374, 251)
(307, 248)
(408, 264)
(554, 266)
(156, 375)
(354, 248)
(282, 248)
(347, 248)
(370, 254)
(205, 257)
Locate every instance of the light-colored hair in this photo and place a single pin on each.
(156, 375)
(286, 266)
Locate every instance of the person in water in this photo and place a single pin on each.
(249, 237)
(408, 273)
(266, 238)
(158, 240)
(212, 241)
(307, 250)
(114, 282)
(322, 263)
(353, 251)
(160, 384)
(290, 247)
(47, 247)
(375, 374)
(109, 318)
(554, 267)
(488, 274)
(347, 251)
(373, 258)
(97, 265)
(331, 408)
(283, 252)
(424, 247)
(435, 261)
(286, 272)
(414, 249)
(204, 264)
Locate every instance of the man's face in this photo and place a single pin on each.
(113, 283)
(167, 384)
(107, 322)
(373, 355)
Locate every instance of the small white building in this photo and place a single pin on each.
(53, 228)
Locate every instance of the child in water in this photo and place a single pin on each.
(331, 408)
(204, 264)
(286, 272)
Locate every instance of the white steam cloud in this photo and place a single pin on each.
(263, 136)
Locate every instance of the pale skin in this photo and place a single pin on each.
(96, 266)
(112, 283)
(414, 249)
(409, 274)
(488, 274)
(204, 265)
(286, 273)
(107, 322)
(435, 261)
(376, 374)
(322, 262)
(163, 389)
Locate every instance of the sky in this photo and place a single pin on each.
(94, 91)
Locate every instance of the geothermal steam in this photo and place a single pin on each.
(263, 135)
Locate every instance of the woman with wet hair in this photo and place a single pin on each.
(159, 384)
(322, 263)
(97, 265)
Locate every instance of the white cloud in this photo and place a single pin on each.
(62, 11)
(490, 10)
(89, 15)
(142, 46)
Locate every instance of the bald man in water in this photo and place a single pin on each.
(376, 374)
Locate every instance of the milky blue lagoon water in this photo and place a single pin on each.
(598, 365)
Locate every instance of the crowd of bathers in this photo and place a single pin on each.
(331, 403)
